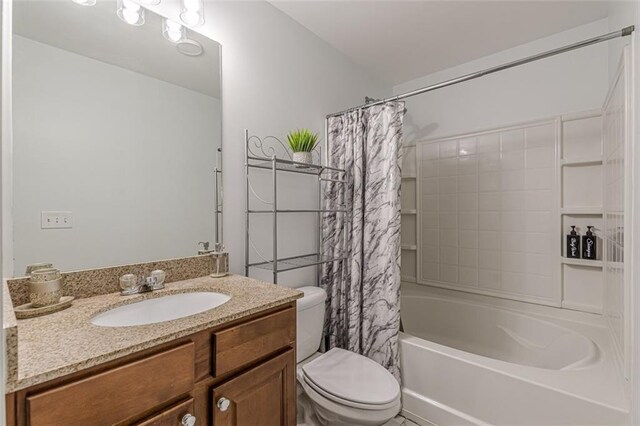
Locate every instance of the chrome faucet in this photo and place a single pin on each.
(153, 282)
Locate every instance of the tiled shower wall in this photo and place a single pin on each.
(488, 212)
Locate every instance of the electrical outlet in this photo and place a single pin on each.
(56, 220)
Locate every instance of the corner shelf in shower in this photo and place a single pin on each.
(582, 162)
(581, 210)
(270, 154)
(581, 262)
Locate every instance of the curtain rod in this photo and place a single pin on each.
(615, 34)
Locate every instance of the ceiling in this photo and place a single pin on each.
(96, 32)
(401, 40)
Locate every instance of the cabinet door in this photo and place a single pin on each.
(264, 395)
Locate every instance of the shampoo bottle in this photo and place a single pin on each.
(573, 244)
(589, 245)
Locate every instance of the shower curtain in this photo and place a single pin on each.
(363, 305)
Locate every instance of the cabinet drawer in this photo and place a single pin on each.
(172, 416)
(118, 394)
(244, 343)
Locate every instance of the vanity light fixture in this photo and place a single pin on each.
(190, 47)
(130, 12)
(85, 2)
(192, 12)
(172, 31)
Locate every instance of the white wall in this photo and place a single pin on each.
(570, 82)
(276, 76)
(131, 156)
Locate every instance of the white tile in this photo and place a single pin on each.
(489, 240)
(513, 262)
(449, 255)
(540, 178)
(544, 135)
(430, 254)
(430, 151)
(489, 259)
(538, 243)
(448, 167)
(448, 185)
(430, 236)
(539, 264)
(539, 222)
(430, 271)
(489, 143)
(468, 220)
(539, 200)
(513, 139)
(467, 146)
(448, 149)
(512, 180)
(513, 201)
(489, 201)
(448, 221)
(489, 279)
(429, 186)
(468, 257)
(448, 203)
(513, 241)
(538, 285)
(512, 160)
(513, 282)
(540, 157)
(468, 165)
(468, 276)
(489, 181)
(489, 221)
(489, 162)
(430, 203)
(513, 221)
(429, 168)
(467, 202)
(467, 183)
(448, 238)
(449, 274)
(430, 220)
(468, 239)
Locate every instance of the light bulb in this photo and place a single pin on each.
(192, 12)
(172, 31)
(130, 12)
(85, 2)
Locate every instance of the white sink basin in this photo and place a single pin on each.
(160, 309)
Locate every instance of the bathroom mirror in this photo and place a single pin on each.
(116, 136)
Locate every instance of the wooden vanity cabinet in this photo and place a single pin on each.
(240, 373)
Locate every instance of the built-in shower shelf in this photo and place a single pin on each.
(594, 161)
(582, 210)
(581, 262)
(409, 176)
(295, 262)
(409, 247)
(409, 211)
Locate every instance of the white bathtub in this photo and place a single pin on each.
(468, 362)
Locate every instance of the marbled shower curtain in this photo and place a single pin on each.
(363, 306)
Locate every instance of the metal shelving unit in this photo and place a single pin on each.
(269, 154)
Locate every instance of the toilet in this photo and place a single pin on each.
(338, 387)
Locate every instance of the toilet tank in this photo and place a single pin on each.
(310, 321)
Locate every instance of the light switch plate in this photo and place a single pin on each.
(56, 220)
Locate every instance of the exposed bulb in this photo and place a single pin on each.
(192, 12)
(85, 2)
(130, 12)
(172, 31)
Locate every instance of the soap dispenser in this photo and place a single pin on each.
(589, 244)
(573, 244)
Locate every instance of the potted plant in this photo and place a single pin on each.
(302, 142)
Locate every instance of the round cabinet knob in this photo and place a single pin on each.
(223, 404)
(188, 420)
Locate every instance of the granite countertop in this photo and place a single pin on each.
(43, 348)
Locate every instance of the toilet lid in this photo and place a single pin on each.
(351, 377)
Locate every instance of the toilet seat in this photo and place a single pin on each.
(353, 380)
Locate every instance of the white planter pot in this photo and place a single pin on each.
(303, 157)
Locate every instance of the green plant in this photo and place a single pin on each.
(302, 140)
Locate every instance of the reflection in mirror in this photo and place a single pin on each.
(116, 136)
